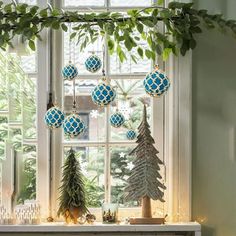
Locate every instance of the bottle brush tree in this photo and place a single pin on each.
(72, 200)
(144, 182)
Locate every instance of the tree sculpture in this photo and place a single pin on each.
(144, 183)
(72, 193)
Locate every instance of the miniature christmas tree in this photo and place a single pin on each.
(144, 182)
(72, 193)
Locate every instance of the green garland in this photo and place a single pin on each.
(123, 31)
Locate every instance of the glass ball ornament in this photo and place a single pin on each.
(103, 94)
(69, 71)
(73, 125)
(117, 119)
(93, 63)
(131, 134)
(54, 117)
(156, 83)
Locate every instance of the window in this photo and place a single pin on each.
(104, 150)
(29, 169)
(18, 128)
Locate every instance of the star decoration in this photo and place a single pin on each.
(94, 114)
(122, 154)
(130, 166)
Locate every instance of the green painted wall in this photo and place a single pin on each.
(214, 119)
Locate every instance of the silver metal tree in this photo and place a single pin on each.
(145, 180)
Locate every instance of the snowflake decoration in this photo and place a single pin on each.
(94, 114)
(130, 166)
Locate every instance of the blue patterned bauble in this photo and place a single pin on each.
(54, 117)
(131, 134)
(69, 72)
(93, 63)
(103, 94)
(117, 119)
(73, 125)
(156, 83)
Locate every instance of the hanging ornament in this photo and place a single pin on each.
(117, 119)
(131, 134)
(54, 117)
(93, 63)
(156, 82)
(73, 125)
(103, 93)
(70, 71)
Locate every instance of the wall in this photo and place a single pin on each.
(214, 122)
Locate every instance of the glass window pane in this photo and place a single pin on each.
(27, 175)
(68, 3)
(93, 116)
(28, 63)
(121, 165)
(78, 58)
(130, 103)
(30, 2)
(92, 166)
(29, 109)
(129, 66)
(134, 3)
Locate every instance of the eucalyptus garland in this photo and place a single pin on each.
(124, 31)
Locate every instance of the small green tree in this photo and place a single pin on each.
(72, 193)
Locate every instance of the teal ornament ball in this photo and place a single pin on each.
(69, 72)
(73, 125)
(93, 63)
(117, 119)
(54, 117)
(103, 94)
(131, 134)
(156, 83)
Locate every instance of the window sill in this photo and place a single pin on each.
(102, 228)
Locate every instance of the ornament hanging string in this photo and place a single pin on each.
(70, 43)
(103, 61)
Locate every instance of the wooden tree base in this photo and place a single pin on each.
(145, 221)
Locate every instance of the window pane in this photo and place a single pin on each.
(93, 116)
(30, 2)
(130, 103)
(27, 175)
(92, 166)
(129, 66)
(131, 2)
(78, 58)
(29, 109)
(17, 125)
(28, 63)
(68, 3)
(121, 165)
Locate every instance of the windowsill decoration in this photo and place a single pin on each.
(145, 179)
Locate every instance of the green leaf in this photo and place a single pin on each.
(110, 44)
(148, 53)
(8, 8)
(140, 52)
(64, 27)
(160, 2)
(43, 13)
(139, 27)
(72, 35)
(32, 45)
(148, 23)
(192, 43)
(166, 53)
